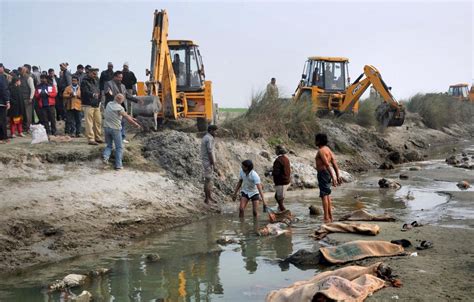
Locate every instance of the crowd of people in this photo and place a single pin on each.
(30, 96)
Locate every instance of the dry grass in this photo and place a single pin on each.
(441, 110)
(276, 120)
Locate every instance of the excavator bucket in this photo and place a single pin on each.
(388, 116)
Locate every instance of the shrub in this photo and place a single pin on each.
(441, 110)
(277, 120)
(366, 115)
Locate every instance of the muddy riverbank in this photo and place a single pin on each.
(193, 265)
(58, 201)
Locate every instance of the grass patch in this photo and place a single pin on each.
(366, 115)
(274, 141)
(54, 178)
(235, 110)
(18, 179)
(441, 110)
(276, 120)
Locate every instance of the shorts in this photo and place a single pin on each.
(324, 183)
(280, 192)
(208, 172)
(253, 198)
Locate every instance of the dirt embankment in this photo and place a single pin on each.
(58, 200)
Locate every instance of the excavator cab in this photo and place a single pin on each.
(459, 91)
(326, 73)
(187, 65)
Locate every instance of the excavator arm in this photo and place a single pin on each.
(390, 113)
(161, 68)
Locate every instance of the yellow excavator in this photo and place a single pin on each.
(326, 85)
(176, 87)
(462, 92)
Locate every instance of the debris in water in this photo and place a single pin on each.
(386, 183)
(403, 176)
(152, 257)
(313, 210)
(463, 185)
(226, 240)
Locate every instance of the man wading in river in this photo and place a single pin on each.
(324, 159)
(208, 158)
(281, 175)
(251, 190)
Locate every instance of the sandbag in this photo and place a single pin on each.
(325, 284)
(341, 227)
(360, 249)
(363, 215)
(38, 134)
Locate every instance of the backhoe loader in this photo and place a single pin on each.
(326, 85)
(462, 92)
(176, 78)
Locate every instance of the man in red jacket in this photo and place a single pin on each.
(45, 95)
(281, 175)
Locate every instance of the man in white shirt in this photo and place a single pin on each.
(250, 189)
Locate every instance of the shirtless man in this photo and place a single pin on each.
(325, 158)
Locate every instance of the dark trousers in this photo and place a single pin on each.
(60, 111)
(3, 123)
(47, 117)
(73, 122)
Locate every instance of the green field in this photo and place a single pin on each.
(239, 110)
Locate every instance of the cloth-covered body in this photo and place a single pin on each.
(363, 215)
(341, 227)
(360, 249)
(351, 283)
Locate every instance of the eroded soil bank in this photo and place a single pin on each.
(59, 201)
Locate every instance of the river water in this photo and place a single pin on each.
(193, 267)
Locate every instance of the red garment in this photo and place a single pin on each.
(51, 95)
(16, 124)
(281, 171)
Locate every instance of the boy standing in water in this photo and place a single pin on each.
(251, 189)
(324, 159)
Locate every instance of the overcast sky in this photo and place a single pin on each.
(417, 46)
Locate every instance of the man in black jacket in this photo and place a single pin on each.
(105, 76)
(129, 79)
(65, 79)
(90, 94)
(4, 106)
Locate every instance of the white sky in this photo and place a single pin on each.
(417, 46)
